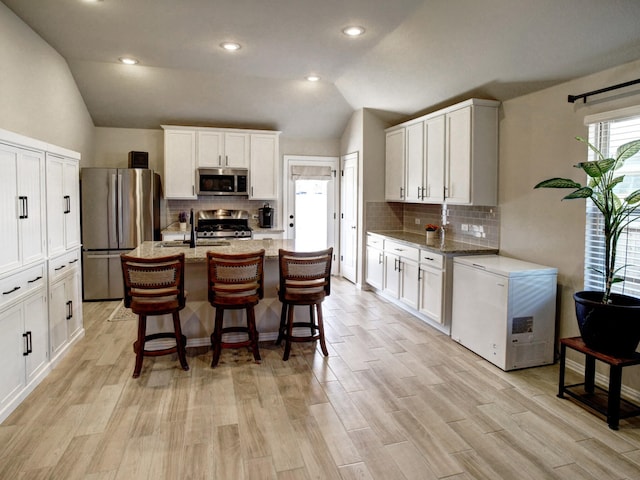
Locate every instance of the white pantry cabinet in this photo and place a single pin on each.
(22, 207)
(65, 304)
(24, 343)
(63, 203)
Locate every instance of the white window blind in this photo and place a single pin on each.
(608, 135)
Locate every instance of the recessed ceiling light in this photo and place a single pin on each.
(313, 78)
(353, 31)
(92, 1)
(231, 46)
(128, 60)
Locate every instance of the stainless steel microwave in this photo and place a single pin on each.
(222, 181)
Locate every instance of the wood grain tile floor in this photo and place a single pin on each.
(394, 400)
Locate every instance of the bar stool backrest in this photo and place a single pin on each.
(305, 273)
(235, 278)
(158, 281)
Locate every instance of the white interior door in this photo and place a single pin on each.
(349, 217)
(311, 204)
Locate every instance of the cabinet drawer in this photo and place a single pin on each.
(63, 264)
(375, 241)
(431, 259)
(18, 284)
(402, 250)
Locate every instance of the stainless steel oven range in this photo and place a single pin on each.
(221, 223)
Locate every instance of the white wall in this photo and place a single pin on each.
(39, 97)
(537, 142)
(112, 147)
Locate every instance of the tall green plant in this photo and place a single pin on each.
(617, 212)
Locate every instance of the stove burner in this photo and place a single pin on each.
(223, 224)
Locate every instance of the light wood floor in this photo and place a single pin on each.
(395, 399)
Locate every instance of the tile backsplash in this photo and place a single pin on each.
(473, 224)
(174, 207)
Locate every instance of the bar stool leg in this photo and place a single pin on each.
(216, 337)
(138, 346)
(181, 342)
(287, 340)
(283, 323)
(323, 345)
(253, 333)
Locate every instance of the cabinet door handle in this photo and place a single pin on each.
(24, 209)
(29, 343)
(69, 310)
(226, 160)
(399, 265)
(25, 351)
(401, 192)
(379, 258)
(14, 289)
(419, 274)
(67, 204)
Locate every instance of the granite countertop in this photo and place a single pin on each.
(199, 253)
(450, 246)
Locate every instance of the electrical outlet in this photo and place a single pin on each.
(417, 221)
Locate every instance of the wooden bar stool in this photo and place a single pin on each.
(235, 281)
(155, 286)
(305, 279)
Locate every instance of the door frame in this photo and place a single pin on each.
(288, 202)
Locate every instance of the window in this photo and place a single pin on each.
(608, 135)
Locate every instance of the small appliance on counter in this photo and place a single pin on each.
(265, 216)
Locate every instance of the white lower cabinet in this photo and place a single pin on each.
(432, 277)
(374, 274)
(401, 272)
(24, 352)
(65, 305)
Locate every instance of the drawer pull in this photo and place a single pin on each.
(11, 291)
(73, 261)
(60, 267)
(35, 279)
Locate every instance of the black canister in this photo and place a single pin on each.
(265, 216)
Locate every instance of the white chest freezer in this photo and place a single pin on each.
(504, 310)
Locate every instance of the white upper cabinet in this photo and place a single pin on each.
(414, 138)
(63, 203)
(449, 156)
(394, 166)
(179, 163)
(22, 207)
(222, 149)
(264, 170)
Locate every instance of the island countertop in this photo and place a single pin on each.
(198, 254)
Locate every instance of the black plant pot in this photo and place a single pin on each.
(612, 328)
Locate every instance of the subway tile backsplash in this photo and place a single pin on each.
(174, 207)
(473, 224)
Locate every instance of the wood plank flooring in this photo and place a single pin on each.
(394, 400)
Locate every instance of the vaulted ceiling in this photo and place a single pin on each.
(415, 56)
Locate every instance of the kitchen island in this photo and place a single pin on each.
(197, 318)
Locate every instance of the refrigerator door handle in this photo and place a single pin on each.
(112, 213)
(120, 213)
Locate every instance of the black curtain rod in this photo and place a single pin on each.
(573, 98)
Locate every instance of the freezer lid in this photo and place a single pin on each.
(505, 266)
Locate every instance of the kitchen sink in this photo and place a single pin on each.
(199, 243)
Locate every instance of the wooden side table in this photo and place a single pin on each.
(608, 403)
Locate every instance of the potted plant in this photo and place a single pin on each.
(431, 232)
(608, 322)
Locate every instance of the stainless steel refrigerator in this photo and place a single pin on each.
(120, 210)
